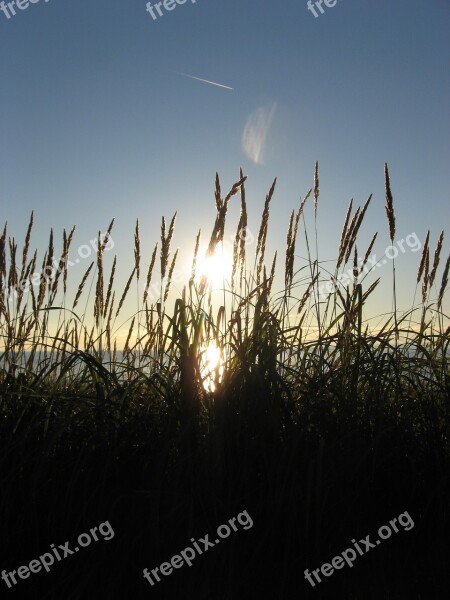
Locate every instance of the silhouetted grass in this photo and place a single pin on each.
(321, 428)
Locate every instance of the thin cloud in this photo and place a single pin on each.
(256, 131)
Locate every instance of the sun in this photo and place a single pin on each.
(216, 268)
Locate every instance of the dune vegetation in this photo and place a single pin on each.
(277, 399)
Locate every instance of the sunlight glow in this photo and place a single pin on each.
(211, 365)
(216, 268)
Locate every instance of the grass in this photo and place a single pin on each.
(320, 427)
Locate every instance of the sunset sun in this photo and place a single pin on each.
(216, 267)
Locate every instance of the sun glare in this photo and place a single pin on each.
(216, 268)
(212, 363)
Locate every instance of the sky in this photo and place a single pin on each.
(99, 120)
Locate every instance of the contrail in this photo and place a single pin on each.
(207, 81)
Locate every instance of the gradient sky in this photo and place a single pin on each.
(97, 122)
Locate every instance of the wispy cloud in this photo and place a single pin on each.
(256, 131)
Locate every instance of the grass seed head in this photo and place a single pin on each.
(389, 204)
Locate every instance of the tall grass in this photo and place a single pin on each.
(253, 325)
(295, 369)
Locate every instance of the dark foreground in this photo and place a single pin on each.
(159, 481)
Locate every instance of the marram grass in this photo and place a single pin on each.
(294, 336)
(317, 424)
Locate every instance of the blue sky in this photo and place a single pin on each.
(97, 122)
